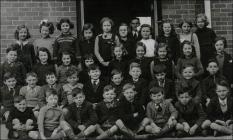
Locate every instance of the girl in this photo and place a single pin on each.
(189, 57)
(150, 43)
(127, 42)
(66, 41)
(168, 35)
(46, 29)
(206, 38)
(104, 44)
(88, 60)
(67, 60)
(161, 57)
(26, 53)
(187, 34)
(43, 66)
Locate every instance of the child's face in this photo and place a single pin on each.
(188, 73)
(23, 34)
(157, 98)
(160, 76)
(21, 106)
(11, 56)
(129, 94)
(123, 31)
(184, 98)
(109, 96)
(187, 50)
(167, 28)
(43, 56)
(145, 32)
(44, 31)
(135, 24)
(51, 79)
(88, 62)
(186, 27)
(31, 81)
(94, 74)
(52, 100)
(117, 79)
(107, 26)
(162, 52)
(212, 68)
(222, 91)
(65, 27)
(66, 60)
(200, 23)
(118, 52)
(135, 72)
(10, 82)
(79, 99)
(72, 79)
(140, 52)
(88, 34)
(219, 46)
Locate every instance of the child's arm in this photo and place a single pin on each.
(198, 96)
(152, 69)
(77, 49)
(201, 114)
(55, 50)
(178, 69)
(193, 129)
(173, 111)
(197, 46)
(92, 116)
(97, 53)
(200, 69)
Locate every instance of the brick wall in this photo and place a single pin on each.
(30, 13)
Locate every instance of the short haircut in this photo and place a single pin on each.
(12, 47)
(33, 74)
(87, 26)
(212, 60)
(141, 44)
(222, 82)
(134, 65)
(106, 19)
(156, 90)
(93, 67)
(19, 98)
(77, 91)
(186, 21)
(71, 71)
(19, 28)
(88, 56)
(133, 18)
(145, 25)
(108, 88)
(47, 24)
(8, 75)
(50, 92)
(128, 86)
(64, 20)
(203, 17)
(185, 89)
(223, 40)
(159, 68)
(187, 66)
(50, 73)
(186, 42)
(115, 72)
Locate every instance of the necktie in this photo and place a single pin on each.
(135, 35)
(11, 91)
(95, 85)
(159, 108)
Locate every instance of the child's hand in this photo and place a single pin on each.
(29, 127)
(193, 130)
(171, 121)
(157, 129)
(207, 101)
(186, 127)
(135, 114)
(17, 127)
(221, 122)
(81, 127)
(228, 122)
(94, 105)
(54, 133)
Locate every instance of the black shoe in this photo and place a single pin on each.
(204, 133)
(181, 134)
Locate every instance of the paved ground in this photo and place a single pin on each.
(4, 133)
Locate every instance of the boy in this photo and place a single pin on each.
(7, 94)
(117, 82)
(161, 81)
(51, 122)
(81, 115)
(12, 65)
(191, 114)
(93, 88)
(161, 112)
(131, 113)
(107, 113)
(21, 122)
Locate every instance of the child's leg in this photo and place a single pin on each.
(67, 129)
(89, 130)
(167, 129)
(36, 113)
(179, 127)
(124, 129)
(144, 122)
(205, 127)
(108, 132)
(152, 128)
(220, 128)
(33, 134)
(99, 130)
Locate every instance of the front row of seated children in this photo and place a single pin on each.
(125, 116)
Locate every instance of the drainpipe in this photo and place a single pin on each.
(207, 6)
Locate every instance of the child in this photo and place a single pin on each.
(88, 60)
(139, 83)
(143, 61)
(44, 65)
(187, 34)
(21, 123)
(66, 41)
(206, 38)
(161, 113)
(32, 93)
(87, 41)
(161, 57)
(188, 56)
(51, 122)
(13, 65)
(26, 52)
(46, 29)
(7, 94)
(224, 59)
(131, 113)
(107, 111)
(220, 110)
(127, 42)
(117, 82)
(150, 43)
(134, 34)
(67, 60)
(93, 88)
(81, 116)
(163, 82)
(188, 80)
(168, 35)
(191, 114)
(104, 44)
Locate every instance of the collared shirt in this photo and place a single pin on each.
(95, 82)
(223, 105)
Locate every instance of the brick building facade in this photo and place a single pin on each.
(31, 12)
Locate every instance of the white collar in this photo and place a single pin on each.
(223, 102)
(24, 42)
(97, 81)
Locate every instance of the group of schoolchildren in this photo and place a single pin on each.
(117, 84)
